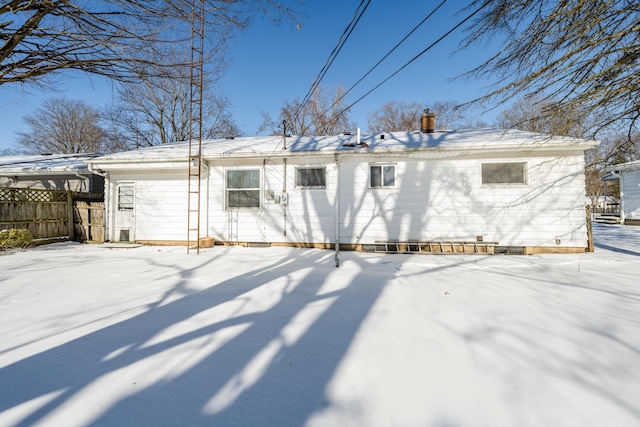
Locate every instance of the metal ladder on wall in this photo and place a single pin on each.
(233, 226)
(196, 80)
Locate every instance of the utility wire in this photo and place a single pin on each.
(337, 101)
(413, 59)
(336, 50)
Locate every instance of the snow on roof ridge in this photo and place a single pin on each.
(394, 141)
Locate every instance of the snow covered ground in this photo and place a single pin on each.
(151, 336)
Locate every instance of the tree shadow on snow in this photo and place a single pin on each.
(268, 370)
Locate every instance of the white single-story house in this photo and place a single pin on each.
(628, 175)
(510, 189)
(50, 172)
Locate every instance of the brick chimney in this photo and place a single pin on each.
(427, 122)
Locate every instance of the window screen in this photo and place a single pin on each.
(243, 188)
(504, 173)
(383, 176)
(311, 177)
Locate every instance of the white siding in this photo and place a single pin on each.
(631, 190)
(432, 200)
(445, 200)
(308, 216)
(160, 204)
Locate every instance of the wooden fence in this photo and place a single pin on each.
(88, 217)
(53, 214)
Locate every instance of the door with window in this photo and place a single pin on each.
(125, 212)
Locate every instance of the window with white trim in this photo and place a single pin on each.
(311, 177)
(504, 173)
(243, 188)
(382, 176)
(125, 197)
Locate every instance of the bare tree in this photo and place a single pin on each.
(530, 114)
(395, 116)
(324, 114)
(156, 111)
(398, 116)
(584, 52)
(12, 151)
(64, 126)
(110, 37)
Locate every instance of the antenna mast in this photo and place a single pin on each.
(196, 81)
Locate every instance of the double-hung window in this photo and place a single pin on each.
(382, 176)
(243, 188)
(311, 177)
(504, 173)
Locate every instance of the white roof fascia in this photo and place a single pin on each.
(447, 144)
(629, 166)
(129, 164)
(426, 153)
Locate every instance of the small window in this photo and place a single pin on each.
(504, 173)
(311, 177)
(243, 188)
(383, 176)
(125, 197)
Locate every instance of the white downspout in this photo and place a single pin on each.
(337, 204)
(205, 166)
(621, 181)
(86, 179)
(284, 197)
(96, 171)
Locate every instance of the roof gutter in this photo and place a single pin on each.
(356, 151)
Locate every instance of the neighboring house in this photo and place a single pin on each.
(629, 176)
(50, 172)
(516, 189)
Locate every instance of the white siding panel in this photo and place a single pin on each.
(160, 204)
(440, 200)
(631, 189)
(432, 200)
(308, 216)
(161, 207)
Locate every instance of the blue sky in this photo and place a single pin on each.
(273, 64)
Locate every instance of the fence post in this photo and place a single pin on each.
(70, 215)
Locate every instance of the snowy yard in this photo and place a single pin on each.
(151, 336)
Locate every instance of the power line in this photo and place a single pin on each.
(414, 58)
(334, 53)
(385, 56)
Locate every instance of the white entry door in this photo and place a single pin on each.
(125, 212)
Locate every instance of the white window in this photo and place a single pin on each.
(125, 197)
(504, 173)
(243, 188)
(311, 177)
(382, 176)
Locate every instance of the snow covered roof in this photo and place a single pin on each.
(395, 142)
(635, 165)
(45, 164)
